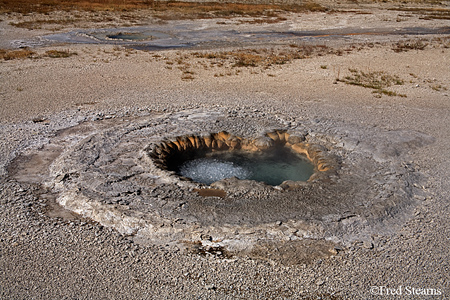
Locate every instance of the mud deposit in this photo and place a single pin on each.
(103, 170)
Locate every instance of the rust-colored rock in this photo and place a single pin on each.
(273, 135)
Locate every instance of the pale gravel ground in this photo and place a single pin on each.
(45, 257)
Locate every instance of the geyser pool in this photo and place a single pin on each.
(271, 166)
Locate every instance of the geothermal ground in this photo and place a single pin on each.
(91, 110)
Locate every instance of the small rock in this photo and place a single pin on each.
(206, 237)
(368, 245)
(335, 250)
(320, 282)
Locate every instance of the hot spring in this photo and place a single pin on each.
(272, 166)
(177, 178)
(273, 158)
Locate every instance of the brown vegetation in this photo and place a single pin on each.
(377, 81)
(59, 54)
(179, 8)
(429, 13)
(16, 54)
(122, 11)
(258, 60)
(264, 57)
(403, 46)
(27, 53)
(45, 6)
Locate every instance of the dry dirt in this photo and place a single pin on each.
(47, 252)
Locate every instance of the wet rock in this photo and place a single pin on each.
(263, 142)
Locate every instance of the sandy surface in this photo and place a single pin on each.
(48, 253)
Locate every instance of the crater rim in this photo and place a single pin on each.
(164, 153)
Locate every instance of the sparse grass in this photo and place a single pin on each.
(46, 6)
(123, 11)
(229, 63)
(16, 54)
(261, 60)
(187, 77)
(266, 20)
(429, 13)
(163, 9)
(264, 58)
(378, 81)
(438, 87)
(27, 53)
(258, 60)
(444, 42)
(404, 46)
(251, 58)
(243, 59)
(59, 54)
(202, 10)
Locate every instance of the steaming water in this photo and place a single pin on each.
(272, 167)
(209, 170)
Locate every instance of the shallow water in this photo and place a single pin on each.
(187, 34)
(128, 36)
(271, 167)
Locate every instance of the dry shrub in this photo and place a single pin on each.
(16, 54)
(243, 59)
(59, 54)
(404, 46)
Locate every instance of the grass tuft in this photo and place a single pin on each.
(404, 46)
(27, 53)
(378, 81)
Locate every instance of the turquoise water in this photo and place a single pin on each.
(271, 167)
